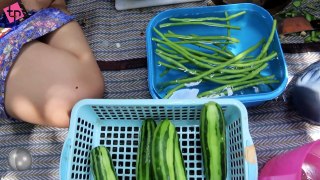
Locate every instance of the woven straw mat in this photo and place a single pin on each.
(275, 126)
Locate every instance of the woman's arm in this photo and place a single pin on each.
(60, 4)
(36, 4)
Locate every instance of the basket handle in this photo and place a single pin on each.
(251, 159)
(64, 159)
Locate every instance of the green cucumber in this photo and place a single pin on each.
(213, 141)
(143, 165)
(101, 164)
(178, 161)
(167, 161)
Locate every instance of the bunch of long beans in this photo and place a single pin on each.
(235, 72)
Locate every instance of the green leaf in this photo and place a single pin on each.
(313, 34)
(294, 13)
(288, 14)
(308, 16)
(307, 39)
(297, 3)
(315, 39)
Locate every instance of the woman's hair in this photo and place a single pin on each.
(6, 3)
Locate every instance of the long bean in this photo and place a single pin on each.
(199, 38)
(187, 70)
(242, 79)
(250, 75)
(170, 93)
(221, 88)
(249, 64)
(204, 54)
(199, 53)
(233, 71)
(208, 18)
(173, 54)
(184, 51)
(169, 55)
(168, 59)
(216, 50)
(212, 78)
(211, 92)
(202, 42)
(228, 23)
(271, 36)
(254, 62)
(178, 48)
(253, 84)
(257, 62)
(222, 66)
(183, 68)
(242, 83)
(169, 66)
(241, 64)
(230, 77)
(199, 23)
(167, 42)
(192, 70)
(233, 60)
(236, 71)
(164, 72)
(224, 48)
(250, 85)
(249, 57)
(166, 49)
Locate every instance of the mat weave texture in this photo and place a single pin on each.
(116, 35)
(275, 126)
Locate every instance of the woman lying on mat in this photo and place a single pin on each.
(46, 63)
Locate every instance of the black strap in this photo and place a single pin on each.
(123, 64)
(301, 47)
(142, 62)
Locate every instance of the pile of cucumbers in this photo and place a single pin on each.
(159, 153)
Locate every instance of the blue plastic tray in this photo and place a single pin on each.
(116, 124)
(255, 25)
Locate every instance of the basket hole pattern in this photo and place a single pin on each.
(82, 146)
(191, 151)
(236, 151)
(122, 141)
(156, 112)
